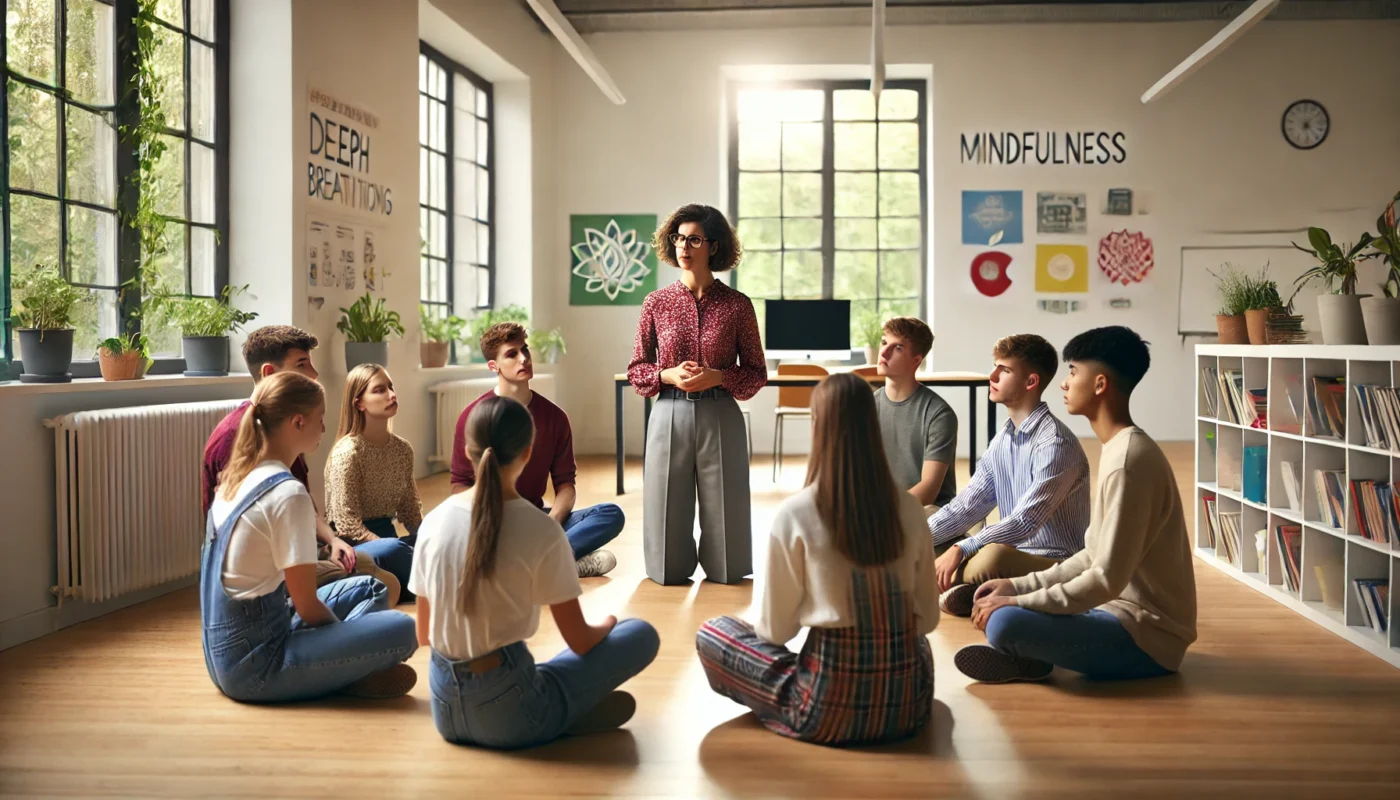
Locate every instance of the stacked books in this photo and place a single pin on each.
(1290, 548)
(1374, 597)
(1328, 483)
(1229, 528)
(1208, 502)
(1289, 472)
(1325, 407)
(1240, 405)
(1284, 328)
(1373, 503)
(1210, 378)
(1380, 415)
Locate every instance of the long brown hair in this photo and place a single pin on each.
(277, 398)
(352, 419)
(856, 497)
(499, 430)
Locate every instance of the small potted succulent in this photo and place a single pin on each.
(1381, 315)
(367, 325)
(205, 324)
(124, 358)
(1339, 310)
(871, 329)
(439, 333)
(1230, 322)
(549, 345)
(44, 321)
(1261, 298)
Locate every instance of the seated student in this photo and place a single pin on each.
(849, 558)
(261, 550)
(919, 428)
(1125, 605)
(369, 475)
(484, 564)
(267, 351)
(588, 529)
(1034, 471)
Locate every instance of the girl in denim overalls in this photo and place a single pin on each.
(484, 564)
(269, 634)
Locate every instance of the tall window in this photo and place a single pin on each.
(455, 195)
(829, 194)
(68, 193)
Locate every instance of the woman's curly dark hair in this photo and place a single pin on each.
(725, 249)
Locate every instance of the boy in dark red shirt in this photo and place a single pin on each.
(588, 529)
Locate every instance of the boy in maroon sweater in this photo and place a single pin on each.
(588, 529)
(271, 349)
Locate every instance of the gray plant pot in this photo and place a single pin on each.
(1381, 316)
(46, 355)
(1340, 315)
(206, 356)
(357, 353)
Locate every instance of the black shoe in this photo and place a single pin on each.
(958, 600)
(989, 665)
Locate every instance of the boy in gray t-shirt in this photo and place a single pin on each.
(919, 428)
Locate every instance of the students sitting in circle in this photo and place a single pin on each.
(369, 475)
(1125, 605)
(850, 558)
(486, 561)
(260, 552)
(919, 428)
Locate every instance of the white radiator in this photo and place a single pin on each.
(450, 398)
(127, 486)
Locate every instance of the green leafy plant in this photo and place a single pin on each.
(1234, 287)
(871, 327)
(1261, 291)
(121, 345)
(200, 316)
(367, 320)
(45, 299)
(548, 342)
(146, 137)
(441, 329)
(1336, 264)
(512, 313)
(1387, 246)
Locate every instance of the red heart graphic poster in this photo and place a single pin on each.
(989, 273)
(1125, 257)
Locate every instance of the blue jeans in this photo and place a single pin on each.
(392, 555)
(1093, 643)
(590, 528)
(520, 703)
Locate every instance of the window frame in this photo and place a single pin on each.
(828, 172)
(453, 68)
(123, 113)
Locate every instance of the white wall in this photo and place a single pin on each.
(1209, 156)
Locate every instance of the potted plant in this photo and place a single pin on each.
(124, 358)
(1340, 309)
(438, 335)
(205, 324)
(44, 320)
(871, 329)
(481, 322)
(1381, 315)
(1230, 322)
(549, 345)
(1261, 298)
(367, 324)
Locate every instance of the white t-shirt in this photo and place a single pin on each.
(534, 567)
(807, 582)
(276, 532)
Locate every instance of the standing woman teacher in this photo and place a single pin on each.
(698, 348)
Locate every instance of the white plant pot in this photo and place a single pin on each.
(1340, 315)
(870, 354)
(1381, 316)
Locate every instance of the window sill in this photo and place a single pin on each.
(15, 388)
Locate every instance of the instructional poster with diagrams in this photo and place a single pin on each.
(341, 254)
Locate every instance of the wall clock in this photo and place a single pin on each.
(1305, 124)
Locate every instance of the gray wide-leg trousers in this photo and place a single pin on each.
(697, 447)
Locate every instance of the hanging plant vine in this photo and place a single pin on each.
(144, 91)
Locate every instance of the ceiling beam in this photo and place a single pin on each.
(1252, 16)
(574, 45)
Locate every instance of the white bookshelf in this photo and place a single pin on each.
(1345, 554)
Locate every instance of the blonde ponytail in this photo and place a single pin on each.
(277, 398)
(499, 431)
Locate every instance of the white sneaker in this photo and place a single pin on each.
(595, 564)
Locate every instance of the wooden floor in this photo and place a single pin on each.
(1267, 705)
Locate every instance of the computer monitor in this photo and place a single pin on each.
(808, 330)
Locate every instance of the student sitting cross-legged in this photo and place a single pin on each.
(919, 428)
(485, 563)
(260, 552)
(849, 558)
(1034, 472)
(1125, 605)
(508, 355)
(369, 475)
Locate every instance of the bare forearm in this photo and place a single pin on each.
(564, 498)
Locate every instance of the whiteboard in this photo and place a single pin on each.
(1199, 298)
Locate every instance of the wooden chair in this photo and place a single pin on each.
(793, 401)
(866, 372)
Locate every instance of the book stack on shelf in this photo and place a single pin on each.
(1302, 443)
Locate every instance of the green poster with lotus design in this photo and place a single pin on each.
(611, 260)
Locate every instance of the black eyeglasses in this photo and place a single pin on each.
(693, 240)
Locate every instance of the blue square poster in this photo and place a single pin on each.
(992, 218)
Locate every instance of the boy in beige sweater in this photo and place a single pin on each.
(1125, 605)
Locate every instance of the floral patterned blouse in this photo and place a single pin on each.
(719, 331)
